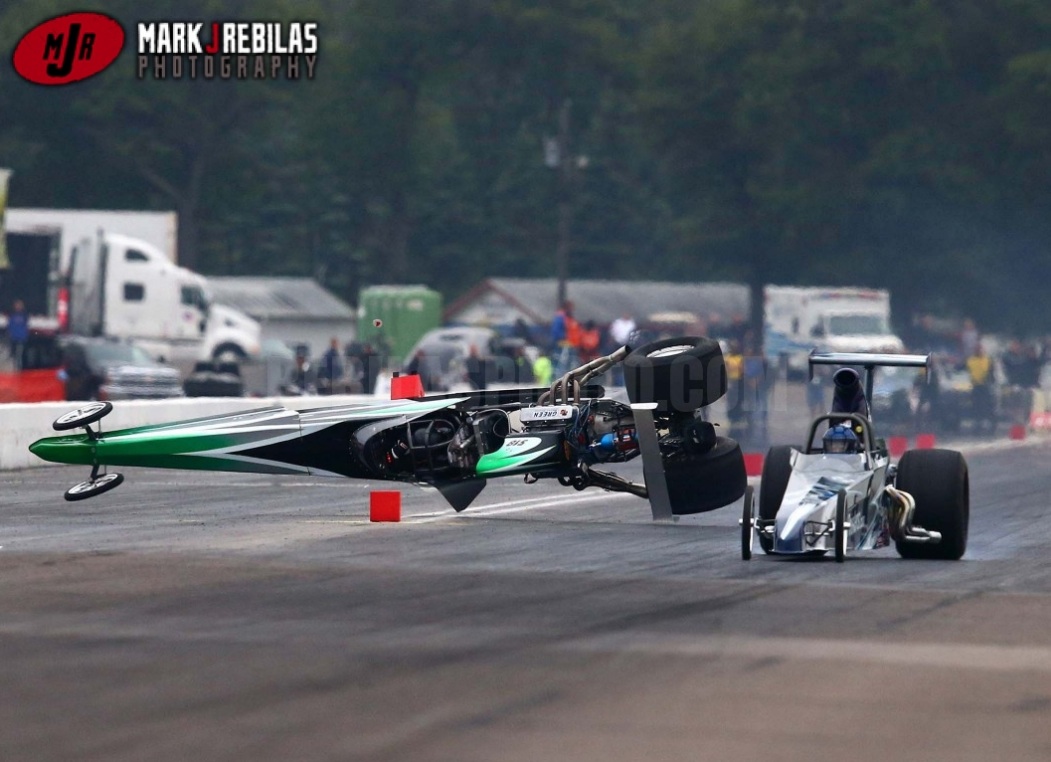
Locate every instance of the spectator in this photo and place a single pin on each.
(622, 330)
(815, 393)
(423, 366)
(983, 407)
(304, 378)
(754, 370)
(968, 339)
(543, 370)
(372, 361)
(330, 369)
(17, 332)
(475, 367)
(1032, 367)
(734, 362)
(738, 329)
(522, 331)
(929, 388)
(523, 367)
(1014, 363)
(924, 337)
(590, 340)
(565, 339)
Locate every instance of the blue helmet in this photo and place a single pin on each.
(840, 439)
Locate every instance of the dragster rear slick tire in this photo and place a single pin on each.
(698, 483)
(939, 483)
(679, 374)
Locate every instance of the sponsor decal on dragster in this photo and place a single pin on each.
(825, 488)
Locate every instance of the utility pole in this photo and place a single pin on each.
(565, 195)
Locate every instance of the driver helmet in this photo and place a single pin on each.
(840, 439)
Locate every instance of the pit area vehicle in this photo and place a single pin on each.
(813, 501)
(456, 442)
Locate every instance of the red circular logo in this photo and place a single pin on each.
(68, 48)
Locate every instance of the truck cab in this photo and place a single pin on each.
(127, 288)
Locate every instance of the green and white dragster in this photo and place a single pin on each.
(812, 502)
(455, 442)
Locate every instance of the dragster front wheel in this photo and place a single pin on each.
(841, 527)
(748, 524)
(93, 487)
(82, 416)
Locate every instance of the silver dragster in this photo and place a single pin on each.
(840, 492)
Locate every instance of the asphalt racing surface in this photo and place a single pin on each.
(190, 616)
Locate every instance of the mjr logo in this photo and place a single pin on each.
(68, 48)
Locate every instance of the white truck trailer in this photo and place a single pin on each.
(159, 229)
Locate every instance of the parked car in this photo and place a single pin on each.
(895, 397)
(214, 379)
(110, 369)
(445, 352)
(953, 400)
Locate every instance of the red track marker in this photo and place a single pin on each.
(403, 387)
(385, 505)
(753, 463)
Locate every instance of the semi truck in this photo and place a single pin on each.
(127, 288)
(800, 319)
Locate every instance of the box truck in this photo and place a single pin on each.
(800, 319)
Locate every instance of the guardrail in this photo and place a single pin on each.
(23, 424)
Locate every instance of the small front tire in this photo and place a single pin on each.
(841, 527)
(93, 487)
(748, 524)
(82, 416)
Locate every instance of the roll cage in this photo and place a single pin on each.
(872, 446)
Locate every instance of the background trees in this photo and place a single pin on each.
(903, 145)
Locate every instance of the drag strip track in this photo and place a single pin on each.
(232, 617)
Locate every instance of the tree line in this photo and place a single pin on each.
(904, 145)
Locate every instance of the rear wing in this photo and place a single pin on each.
(869, 361)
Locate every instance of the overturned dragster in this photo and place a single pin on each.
(455, 442)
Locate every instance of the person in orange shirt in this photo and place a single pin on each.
(590, 340)
(565, 339)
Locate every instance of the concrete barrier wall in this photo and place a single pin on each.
(21, 425)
